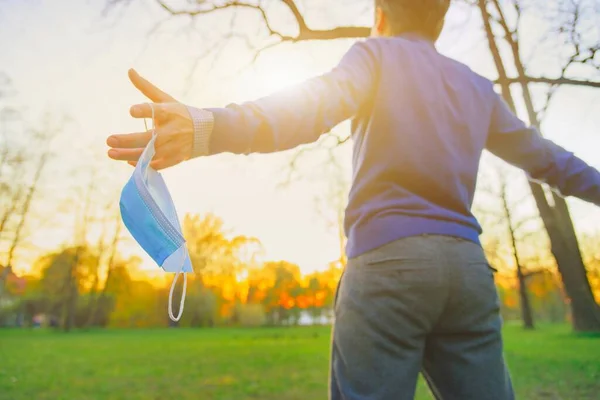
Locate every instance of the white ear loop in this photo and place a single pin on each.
(184, 257)
(182, 301)
(153, 122)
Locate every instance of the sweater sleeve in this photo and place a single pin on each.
(300, 114)
(543, 160)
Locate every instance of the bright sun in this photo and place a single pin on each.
(272, 75)
(275, 79)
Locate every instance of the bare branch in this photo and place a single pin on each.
(342, 32)
(262, 49)
(293, 165)
(521, 223)
(299, 18)
(549, 96)
(549, 81)
(304, 32)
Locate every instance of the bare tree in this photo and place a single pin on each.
(24, 156)
(112, 250)
(505, 17)
(553, 209)
(12, 187)
(31, 191)
(270, 11)
(11, 157)
(507, 213)
(82, 227)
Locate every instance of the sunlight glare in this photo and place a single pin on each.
(281, 78)
(273, 75)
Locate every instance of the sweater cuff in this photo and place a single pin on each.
(204, 122)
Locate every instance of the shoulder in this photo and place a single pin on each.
(481, 82)
(369, 47)
(378, 49)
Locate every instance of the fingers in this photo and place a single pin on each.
(145, 110)
(159, 164)
(148, 89)
(164, 163)
(139, 139)
(129, 147)
(160, 111)
(129, 140)
(125, 154)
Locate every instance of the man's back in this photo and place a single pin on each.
(417, 145)
(420, 124)
(419, 133)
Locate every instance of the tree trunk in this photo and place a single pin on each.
(99, 299)
(72, 283)
(565, 248)
(26, 206)
(526, 312)
(557, 221)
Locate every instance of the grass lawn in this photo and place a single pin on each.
(238, 364)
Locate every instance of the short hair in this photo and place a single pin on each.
(419, 16)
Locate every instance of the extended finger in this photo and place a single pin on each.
(161, 112)
(148, 89)
(139, 139)
(125, 154)
(145, 110)
(129, 140)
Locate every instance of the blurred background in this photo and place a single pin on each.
(264, 232)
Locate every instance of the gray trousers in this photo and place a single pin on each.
(421, 304)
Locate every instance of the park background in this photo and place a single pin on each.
(264, 232)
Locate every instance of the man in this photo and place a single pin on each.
(418, 293)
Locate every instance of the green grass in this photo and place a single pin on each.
(266, 364)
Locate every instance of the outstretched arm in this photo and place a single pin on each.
(277, 122)
(298, 115)
(543, 160)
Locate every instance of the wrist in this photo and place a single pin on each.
(203, 122)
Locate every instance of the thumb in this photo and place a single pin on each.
(148, 89)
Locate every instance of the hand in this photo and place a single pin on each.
(173, 125)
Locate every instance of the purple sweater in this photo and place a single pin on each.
(420, 122)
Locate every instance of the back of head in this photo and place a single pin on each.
(424, 17)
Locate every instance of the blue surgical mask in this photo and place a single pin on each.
(149, 214)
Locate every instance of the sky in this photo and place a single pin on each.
(69, 58)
